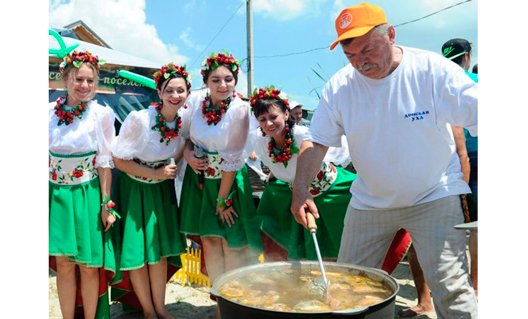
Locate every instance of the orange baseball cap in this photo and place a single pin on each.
(356, 21)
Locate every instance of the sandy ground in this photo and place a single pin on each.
(186, 302)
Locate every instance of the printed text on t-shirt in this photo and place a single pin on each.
(416, 115)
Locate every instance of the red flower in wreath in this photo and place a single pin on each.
(93, 161)
(314, 191)
(76, 58)
(54, 175)
(173, 70)
(320, 175)
(268, 93)
(217, 59)
(229, 202)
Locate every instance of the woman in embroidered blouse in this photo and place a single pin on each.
(278, 147)
(80, 212)
(219, 208)
(145, 151)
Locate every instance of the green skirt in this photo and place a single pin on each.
(149, 222)
(76, 231)
(149, 231)
(198, 211)
(279, 224)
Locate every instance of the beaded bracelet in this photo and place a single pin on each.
(109, 205)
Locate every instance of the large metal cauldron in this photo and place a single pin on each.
(232, 310)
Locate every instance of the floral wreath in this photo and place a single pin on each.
(217, 59)
(172, 69)
(76, 58)
(266, 93)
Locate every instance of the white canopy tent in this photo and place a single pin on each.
(111, 56)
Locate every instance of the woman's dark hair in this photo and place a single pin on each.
(171, 71)
(163, 82)
(264, 105)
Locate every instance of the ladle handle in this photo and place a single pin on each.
(312, 226)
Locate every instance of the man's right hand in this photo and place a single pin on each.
(302, 202)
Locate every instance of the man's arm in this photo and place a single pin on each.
(308, 164)
(460, 141)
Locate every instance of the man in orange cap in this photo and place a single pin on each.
(396, 105)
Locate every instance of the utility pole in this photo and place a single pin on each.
(249, 47)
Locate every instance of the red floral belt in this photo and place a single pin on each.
(213, 170)
(72, 169)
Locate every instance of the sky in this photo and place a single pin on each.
(290, 38)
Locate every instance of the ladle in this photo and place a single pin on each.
(320, 282)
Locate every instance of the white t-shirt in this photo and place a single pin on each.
(339, 155)
(398, 129)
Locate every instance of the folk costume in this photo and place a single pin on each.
(78, 145)
(149, 209)
(330, 189)
(222, 138)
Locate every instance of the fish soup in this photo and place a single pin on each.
(295, 290)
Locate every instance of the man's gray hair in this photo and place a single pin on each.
(381, 29)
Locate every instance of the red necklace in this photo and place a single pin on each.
(285, 153)
(167, 133)
(213, 114)
(67, 116)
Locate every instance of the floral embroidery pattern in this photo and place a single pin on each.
(213, 171)
(323, 180)
(72, 170)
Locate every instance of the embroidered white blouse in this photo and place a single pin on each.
(93, 132)
(286, 174)
(228, 137)
(137, 139)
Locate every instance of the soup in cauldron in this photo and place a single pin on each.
(295, 290)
